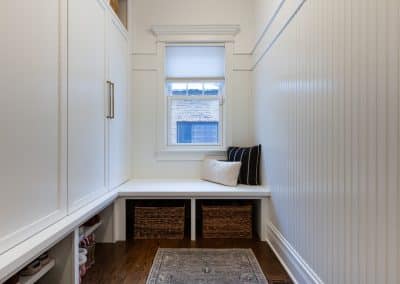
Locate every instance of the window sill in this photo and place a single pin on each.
(189, 154)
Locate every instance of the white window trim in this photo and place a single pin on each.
(191, 152)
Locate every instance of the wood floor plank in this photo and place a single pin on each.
(130, 262)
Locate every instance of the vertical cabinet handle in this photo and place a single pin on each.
(109, 83)
(113, 101)
(111, 97)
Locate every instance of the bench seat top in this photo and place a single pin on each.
(189, 188)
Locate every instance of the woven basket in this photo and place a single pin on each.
(115, 5)
(233, 221)
(159, 223)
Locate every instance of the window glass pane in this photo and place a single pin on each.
(195, 61)
(194, 121)
(177, 89)
(195, 89)
(197, 132)
(212, 89)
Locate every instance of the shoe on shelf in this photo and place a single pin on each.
(44, 259)
(32, 268)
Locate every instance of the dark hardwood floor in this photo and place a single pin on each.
(130, 262)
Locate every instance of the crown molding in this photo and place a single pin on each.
(195, 30)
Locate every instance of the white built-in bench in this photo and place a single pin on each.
(193, 190)
(16, 258)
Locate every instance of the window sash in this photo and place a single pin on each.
(221, 89)
(200, 98)
(169, 98)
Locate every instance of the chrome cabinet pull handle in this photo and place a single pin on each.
(109, 116)
(113, 101)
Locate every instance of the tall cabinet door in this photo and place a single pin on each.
(33, 117)
(118, 123)
(86, 101)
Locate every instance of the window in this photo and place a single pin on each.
(194, 90)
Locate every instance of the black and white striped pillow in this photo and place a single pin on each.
(250, 158)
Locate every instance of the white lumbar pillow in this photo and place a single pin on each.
(225, 173)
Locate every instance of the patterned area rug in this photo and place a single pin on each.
(206, 266)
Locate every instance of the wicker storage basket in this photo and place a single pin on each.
(233, 221)
(115, 5)
(159, 222)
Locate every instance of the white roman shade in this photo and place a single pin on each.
(195, 62)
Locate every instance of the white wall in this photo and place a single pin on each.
(146, 13)
(327, 113)
(144, 92)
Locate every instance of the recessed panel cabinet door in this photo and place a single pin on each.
(118, 124)
(86, 101)
(33, 117)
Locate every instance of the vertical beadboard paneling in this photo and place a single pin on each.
(381, 261)
(319, 209)
(392, 142)
(354, 122)
(305, 24)
(338, 82)
(313, 63)
(362, 142)
(347, 140)
(326, 100)
(398, 137)
(372, 186)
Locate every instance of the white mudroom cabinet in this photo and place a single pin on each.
(97, 101)
(118, 122)
(33, 134)
(64, 131)
(86, 101)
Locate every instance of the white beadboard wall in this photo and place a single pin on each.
(326, 100)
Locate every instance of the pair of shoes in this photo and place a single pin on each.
(31, 269)
(44, 259)
(36, 265)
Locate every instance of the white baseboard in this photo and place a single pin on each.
(295, 265)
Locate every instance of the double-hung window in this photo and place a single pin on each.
(195, 77)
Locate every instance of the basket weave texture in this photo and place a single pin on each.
(115, 5)
(159, 223)
(233, 221)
